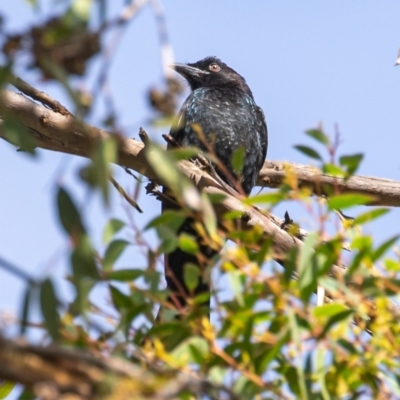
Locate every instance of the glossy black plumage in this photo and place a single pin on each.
(222, 105)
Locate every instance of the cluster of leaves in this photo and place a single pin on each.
(266, 337)
(62, 45)
(165, 102)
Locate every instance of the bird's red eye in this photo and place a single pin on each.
(214, 67)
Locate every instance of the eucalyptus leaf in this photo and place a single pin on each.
(191, 275)
(348, 200)
(308, 151)
(68, 213)
(113, 227)
(113, 252)
(49, 303)
(318, 135)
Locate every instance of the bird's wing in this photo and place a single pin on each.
(263, 132)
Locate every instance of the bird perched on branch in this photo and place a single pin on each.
(219, 116)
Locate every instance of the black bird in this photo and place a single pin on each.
(221, 104)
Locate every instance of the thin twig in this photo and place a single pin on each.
(167, 53)
(144, 137)
(127, 14)
(125, 195)
(17, 271)
(37, 95)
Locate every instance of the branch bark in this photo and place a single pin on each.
(55, 373)
(386, 192)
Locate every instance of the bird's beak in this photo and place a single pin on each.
(188, 71)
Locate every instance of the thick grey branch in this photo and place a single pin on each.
(57, 132)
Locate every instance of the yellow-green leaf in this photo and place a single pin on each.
(191, 275)
(328, 310)
(348, 200)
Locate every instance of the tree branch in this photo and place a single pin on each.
(35, 94)
(53, 372)
(386, 192)
(64, 133)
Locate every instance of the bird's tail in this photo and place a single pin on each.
(177, 263)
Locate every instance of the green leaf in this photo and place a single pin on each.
(329, 310)
(335, 319)
(291, 264)
(296, 378)
(334, 170)
(391, 265)
(83, 260)
(113, 227)
(216, 198)
(348, 346)
(6, 388)
(268, 356)
(318, 135)
(351, 162)
(370, 215)
(308, 151)
(152, 278)
(241, 388)
(124, 275)
(49, 302)
(348, 200)
(25, 308)
(6, 74)
(384, 247)
(81, 9)
(173, 219)
(261, 254)
(27, 394)
(217, 375)
(192, 350)
(362, 243)
(164, 165)
(270, 198)
(209, 218)
(235, 214)
(81, 303)
(18, 135)
(236, 281)
(188, 244)
(98, 172)
(120, 300)
(68, 214)
(191, 275)
(185, 153)
(169, 240)
(238, 159)
(306, 269)
(321, 372)
(113, 252)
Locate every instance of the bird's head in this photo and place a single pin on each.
(211, 72)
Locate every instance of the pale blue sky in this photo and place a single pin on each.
(306, 62)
